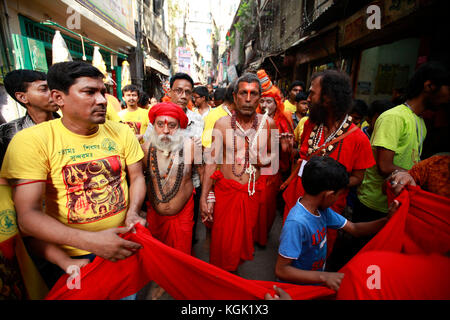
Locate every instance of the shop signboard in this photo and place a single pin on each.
(118, 13)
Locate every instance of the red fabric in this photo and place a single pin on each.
(409, 251)
(235, 216)
(267, 207)
(397, 245)
(176, 230)
(182, 276)
(354, 152)
(168, 109)
(401, 276)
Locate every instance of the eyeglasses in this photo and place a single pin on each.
(180, 91)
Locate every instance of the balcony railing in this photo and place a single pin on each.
(153, 30)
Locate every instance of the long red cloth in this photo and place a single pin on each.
(410, 254)
(267, 207)
(176, 230)
(235, 216)
(418, 232)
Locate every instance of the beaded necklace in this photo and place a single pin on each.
(247, 146)
(316, 136)
(248, 167)
(152, 163)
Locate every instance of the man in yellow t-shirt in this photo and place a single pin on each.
(295, 87)
(81, 164)
(136, 118)
(215, 114)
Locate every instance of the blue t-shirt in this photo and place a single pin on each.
(304, 236)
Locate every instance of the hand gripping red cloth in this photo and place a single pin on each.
(235, 216)
(186, 277)
(409, 255)
(176, 230)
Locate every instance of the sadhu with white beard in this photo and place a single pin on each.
(168, 164)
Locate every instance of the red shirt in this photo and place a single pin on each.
(354, 152)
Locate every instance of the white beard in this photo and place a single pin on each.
(167, 143)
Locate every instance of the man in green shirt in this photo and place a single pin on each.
(398, 137)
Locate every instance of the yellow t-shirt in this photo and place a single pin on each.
(86, 175)
(299, 129)
(289, 106)
(210, 120)
(111, 108)
(19, 277)
(136, 120)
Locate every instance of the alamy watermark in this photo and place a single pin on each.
(74, 280)
(374, 20)
(374, 280)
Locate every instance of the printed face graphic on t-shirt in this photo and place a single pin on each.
(93, 190)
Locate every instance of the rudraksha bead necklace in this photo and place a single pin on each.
(247, 148)
(152, 164)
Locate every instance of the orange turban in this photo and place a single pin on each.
(271, 90)
(168, 109)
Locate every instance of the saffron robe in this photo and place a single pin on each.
(175, 230)
(235, 216)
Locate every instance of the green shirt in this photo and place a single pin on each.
(402, 131)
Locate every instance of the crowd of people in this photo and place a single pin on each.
(81, 168)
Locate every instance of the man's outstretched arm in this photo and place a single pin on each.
(32, 221)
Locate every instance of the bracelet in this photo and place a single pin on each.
(211, 197)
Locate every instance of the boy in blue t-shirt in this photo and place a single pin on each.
(303, 241)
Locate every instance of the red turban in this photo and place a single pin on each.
(169, 109)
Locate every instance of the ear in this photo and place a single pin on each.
(58, 97)
(22, 97)
(429, 86)
(328, 193)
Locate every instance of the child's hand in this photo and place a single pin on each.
(332, 279)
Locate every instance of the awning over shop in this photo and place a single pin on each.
(156, 65)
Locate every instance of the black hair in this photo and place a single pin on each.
(219, 93)
(249, 78)
(324, 174)
(61, 76)
(297, 83)
(132, 88)
(378, 107)
(202, 91)
(360, 107)
(229, 92)
(144, 98)
(181, 75)
(336, 86)
(301, 96)
(436, 72)
(19, 80)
